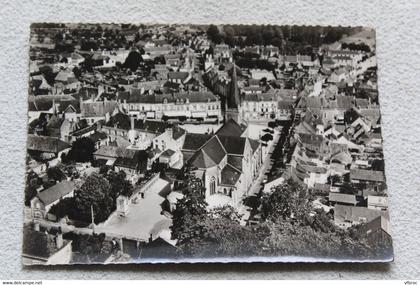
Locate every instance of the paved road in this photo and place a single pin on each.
(256, 185)
(268, 162)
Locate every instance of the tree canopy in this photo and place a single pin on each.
(81, 150)
(133, 60)
(289, 226)
(95, 193)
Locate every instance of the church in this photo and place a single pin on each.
(227, 162)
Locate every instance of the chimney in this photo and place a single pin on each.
(132, 122)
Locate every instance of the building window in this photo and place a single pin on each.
(212, 186)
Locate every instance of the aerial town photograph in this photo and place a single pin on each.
(189, 143)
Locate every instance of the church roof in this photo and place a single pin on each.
(195, 141)
(230, 175)
(233, 145)
(235, 161)
(214, 149)
(231, 128)
(202, 160)
(233, 99)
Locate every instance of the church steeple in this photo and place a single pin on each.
(232, 102)
(233, 96)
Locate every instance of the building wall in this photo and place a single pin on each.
(190, 110)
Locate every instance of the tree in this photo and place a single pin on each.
(133, 61)
(378, 164)
(92, 248)
(225, 237)
(82, 150)
(213, 34)
(225, 212)
(55, 173)
(65, 207)
(77, 72)
(267, 137)
(189, 214)
(48, 74)
(95, 193)
(289, 201)
(32, 183)
(229, 35)
(119, 184)
(334, 179)
(87, 64)
(350, 116)
(165, 118)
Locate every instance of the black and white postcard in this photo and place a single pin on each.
(153, 143)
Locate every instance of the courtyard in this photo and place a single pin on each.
(144, 217)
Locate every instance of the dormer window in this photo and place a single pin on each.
(165, 101)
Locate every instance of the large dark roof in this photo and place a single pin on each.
(178, 75)
(233, 145)
(46, 144)
(367, 175)
(126, 162)
(97, 136)
(115, 151)
(177, 132)
(214, 150)
(195, 141)
(235, 161)
(230, 175)
(231, 128)
(202, 160)
(158, 249)
(120, 120)
(56, 192)
(168, 153)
